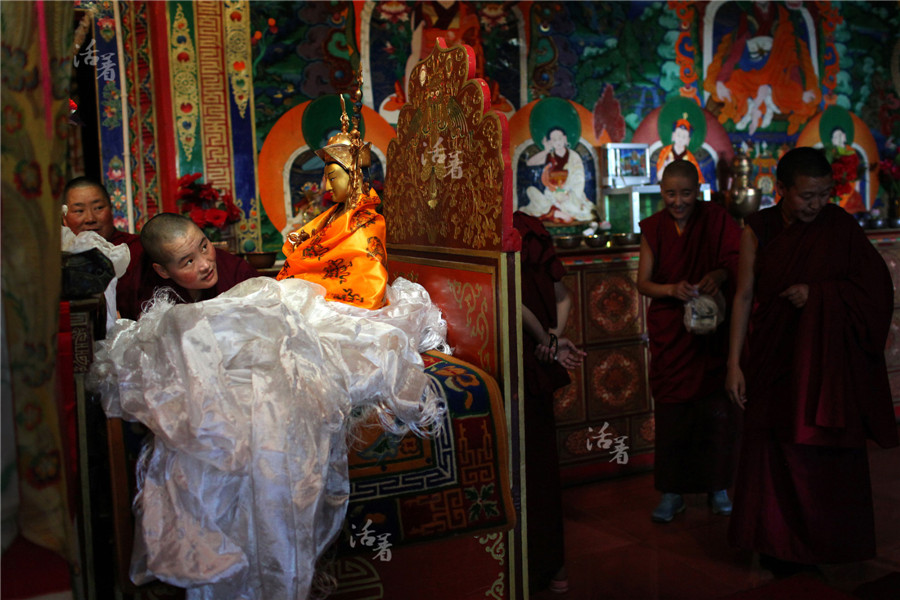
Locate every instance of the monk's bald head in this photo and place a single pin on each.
(682, 168)
(803, 161)
(180, 251)
(162, 231)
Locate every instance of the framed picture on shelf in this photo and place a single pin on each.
(623, 165)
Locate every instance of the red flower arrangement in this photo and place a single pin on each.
(889, 176)
(845, 170)
(208, 207)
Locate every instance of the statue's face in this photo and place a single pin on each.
(337, 181)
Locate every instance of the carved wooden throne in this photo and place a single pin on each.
(448, 207)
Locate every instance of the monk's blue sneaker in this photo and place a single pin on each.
(719, 503)
(669, 506)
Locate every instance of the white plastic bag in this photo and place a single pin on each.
(703, 314)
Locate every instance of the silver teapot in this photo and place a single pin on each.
(742, 199)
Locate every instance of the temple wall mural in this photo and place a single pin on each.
(197, 87)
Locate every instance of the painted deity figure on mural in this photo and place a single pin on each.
(763, 68)
(563, 199)
(457, 23)
(678, 149)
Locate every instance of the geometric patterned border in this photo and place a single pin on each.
(470, 494)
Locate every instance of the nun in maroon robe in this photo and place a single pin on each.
(696, 426)
(816, 389)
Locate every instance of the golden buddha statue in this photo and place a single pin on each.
(343, 248)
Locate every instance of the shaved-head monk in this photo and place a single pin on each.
(178, 255)
(811, 316)
(689, 251)
(89, 208)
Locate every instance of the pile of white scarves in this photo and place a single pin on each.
(249, 396)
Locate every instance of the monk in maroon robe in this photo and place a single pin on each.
(183, 261)
(547, 356)
(689, 249)
(817, 299)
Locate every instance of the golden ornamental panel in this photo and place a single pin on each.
(238, 55)
(185, 85)
(449, 164)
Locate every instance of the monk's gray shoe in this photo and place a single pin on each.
(719, 503)
(669, 506)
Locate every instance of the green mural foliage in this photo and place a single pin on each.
(615, 43)
(865, 41)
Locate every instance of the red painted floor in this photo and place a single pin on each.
(615, 552)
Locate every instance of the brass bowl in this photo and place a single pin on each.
(260, 260)
(568, 241)
(597, 240)
(626, 239)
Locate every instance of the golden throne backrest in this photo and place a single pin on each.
(448, 182)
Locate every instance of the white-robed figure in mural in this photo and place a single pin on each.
(563, 200)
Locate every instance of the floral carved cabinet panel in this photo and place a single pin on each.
(604, 417)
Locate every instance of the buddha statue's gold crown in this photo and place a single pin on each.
(346, 147)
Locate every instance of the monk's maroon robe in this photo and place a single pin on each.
(541, 269)
(817, 389)
(695, 423)
(685, 366)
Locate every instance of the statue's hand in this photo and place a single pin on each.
(297, 237)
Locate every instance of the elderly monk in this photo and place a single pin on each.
(342, 249)
(178, 256)
(688, 250)
(89, 208)
(817, 299)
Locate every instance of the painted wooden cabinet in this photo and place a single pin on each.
(605, 418)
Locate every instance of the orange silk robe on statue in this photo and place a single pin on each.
(347, 256)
